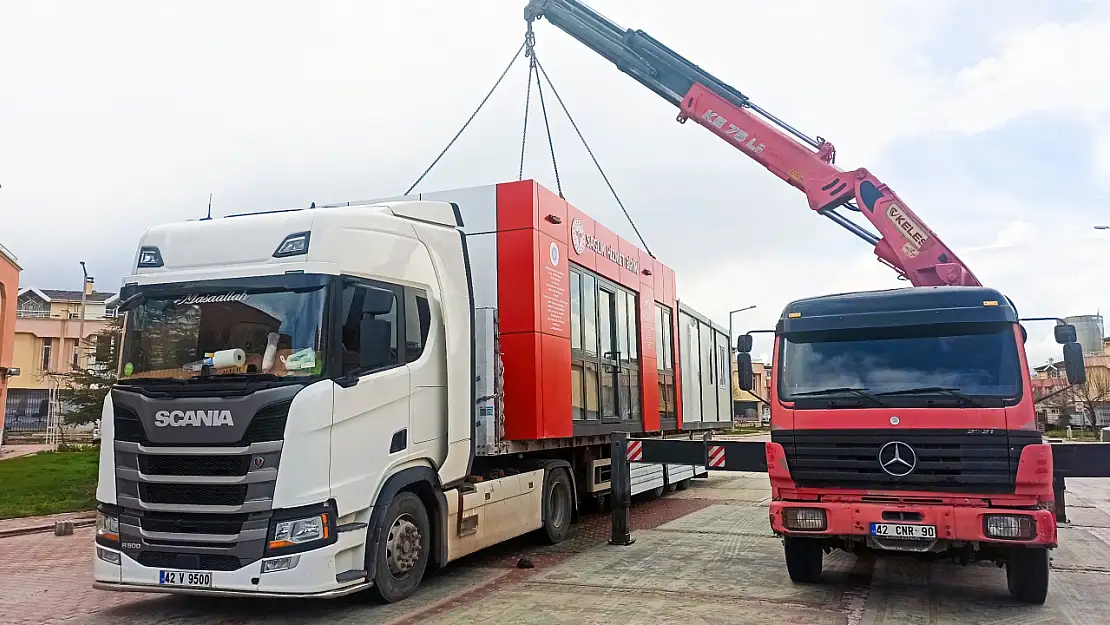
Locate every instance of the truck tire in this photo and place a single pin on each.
(803, 560)
(683, 484)
(558, 505)
(403, 549)
(1027, 575)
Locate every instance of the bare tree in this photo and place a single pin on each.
(1093, 393)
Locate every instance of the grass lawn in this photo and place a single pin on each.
(1076, 434)
(48, 483)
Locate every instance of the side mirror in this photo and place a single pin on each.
(1065, 333)
(1073, 361)
(744, 373)
(744, 344)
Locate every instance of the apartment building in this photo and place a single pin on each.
(48, 341)
(9, 287)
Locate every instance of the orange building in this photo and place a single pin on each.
(9, 287)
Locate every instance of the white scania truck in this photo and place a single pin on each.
(312, 402)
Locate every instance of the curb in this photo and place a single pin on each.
(44, 528)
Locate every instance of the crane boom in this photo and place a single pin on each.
(904, 241)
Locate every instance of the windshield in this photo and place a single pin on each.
(977, 360)
(254, 326)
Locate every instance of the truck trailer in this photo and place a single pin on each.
(315, 402)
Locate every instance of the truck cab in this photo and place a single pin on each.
(902, 421)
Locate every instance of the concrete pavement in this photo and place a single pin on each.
(703, 555)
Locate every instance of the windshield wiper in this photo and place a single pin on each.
(862, 392)
(954, 392)
(241, 376)
(141, 381)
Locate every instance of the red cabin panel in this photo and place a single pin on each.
(539, 237)
(518, 292)
(556, 387)
(520, 353)
(629, 261)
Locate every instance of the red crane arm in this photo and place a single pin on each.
(904, 241)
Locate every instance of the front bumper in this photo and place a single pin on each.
(953, 523)
(313, 576)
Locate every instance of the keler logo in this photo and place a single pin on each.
(578, 235)
(194, 418)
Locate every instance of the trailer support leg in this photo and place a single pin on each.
(620, 492)
(1058, 489)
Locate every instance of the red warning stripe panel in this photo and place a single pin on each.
(635, 451)
(717, 456)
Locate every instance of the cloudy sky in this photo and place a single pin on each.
(991, 119)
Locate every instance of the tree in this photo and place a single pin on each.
(83, 389)
(1059, 397)
(1093, 393)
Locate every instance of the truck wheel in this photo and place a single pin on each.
(683, 484)
(403, 549)
(1027, 575)
(558, 505)
(803, 560)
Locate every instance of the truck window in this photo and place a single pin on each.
(358, 315)
(418, 320)
(974, 359)
(187, 330)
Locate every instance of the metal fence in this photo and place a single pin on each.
(27, 411)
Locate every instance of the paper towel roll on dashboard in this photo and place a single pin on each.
(227, 358)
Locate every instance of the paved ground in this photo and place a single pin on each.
(16, 451)
(701, 556)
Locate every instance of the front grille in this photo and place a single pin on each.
(194, 494)
(268, 424)
(128, 426)
(194, 465)
(180, 523)
(188, 561)
(947, 460)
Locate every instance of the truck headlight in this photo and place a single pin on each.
(107, 529)
(298, 532)
(1009, 526)
(804, 519)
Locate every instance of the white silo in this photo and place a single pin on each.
(1089, 332)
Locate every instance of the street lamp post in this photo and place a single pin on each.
(732, 355)
(731, 342)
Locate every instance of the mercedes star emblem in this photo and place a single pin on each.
(897, 459)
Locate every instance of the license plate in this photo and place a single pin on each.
(903, 530)
(193, 579)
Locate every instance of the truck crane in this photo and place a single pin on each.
(902, 421)
(904, 242)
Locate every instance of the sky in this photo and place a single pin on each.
(991, 119)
